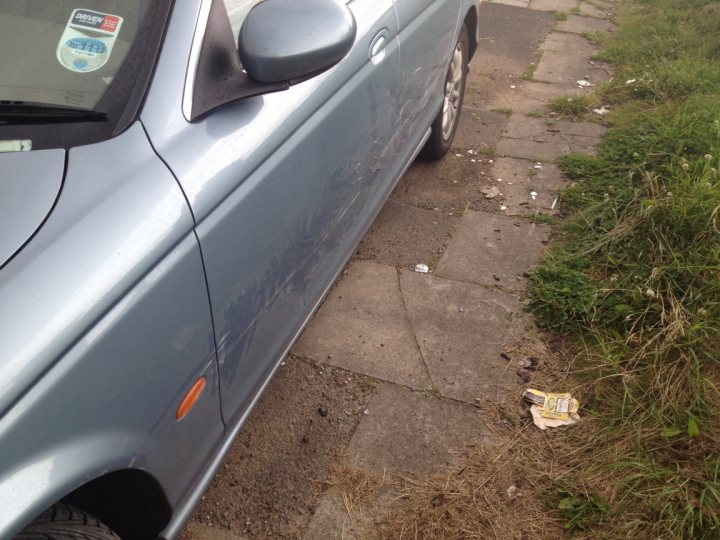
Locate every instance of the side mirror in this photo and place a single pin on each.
(293, 40)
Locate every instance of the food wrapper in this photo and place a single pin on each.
(555, 406)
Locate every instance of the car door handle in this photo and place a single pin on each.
(377, 45)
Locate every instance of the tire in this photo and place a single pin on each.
(442, 133)
(63, 522)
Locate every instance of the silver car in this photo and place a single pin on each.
(180, 184)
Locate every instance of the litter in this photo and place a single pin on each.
(630, 81)
(490, 192)
(473, 161)
(503, 208)
(511, 492)
(537, 166)
(472, 152)
(584, 84)
(458, 155)
(552, 410)
(552, 206)
(512, 87)
(533, 195)
(602, 111)
(422, 268)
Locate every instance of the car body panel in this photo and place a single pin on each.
(178, 250)
(275, 226)
(77, 362)
(125, 417)
(426, 35)
(29, 185)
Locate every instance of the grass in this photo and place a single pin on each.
(504, 110)
(487, 151)
(573, 108)
(634, 286)
(561, 16)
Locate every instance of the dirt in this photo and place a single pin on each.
(275, 473)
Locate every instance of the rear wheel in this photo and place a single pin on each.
(445, 124)
(63, 522)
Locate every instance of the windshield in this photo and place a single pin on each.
(85, 55)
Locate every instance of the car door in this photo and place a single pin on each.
(282, 187)
(427, 28)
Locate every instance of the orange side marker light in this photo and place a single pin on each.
(190, 398)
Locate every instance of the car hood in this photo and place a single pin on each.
(29, 185)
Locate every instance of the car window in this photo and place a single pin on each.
(237, 11)
(62, 52)
(75, 71)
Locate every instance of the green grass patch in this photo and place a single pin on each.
(573, 108)
(633, 282)
(503, 110)
(561, 16)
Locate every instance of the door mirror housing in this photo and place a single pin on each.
(288, 41)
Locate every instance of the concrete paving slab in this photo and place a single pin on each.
(566, 59)
(462, 329)
(589, 10)
(553, 5)
(492, 250)
(404, 235)
(534, 96)
(362, 327)
(409, 432)
(579, 25)
(447, 185)
(478, 129)
(331, 520)
(546, 150)
(534, 139)
(521, 178)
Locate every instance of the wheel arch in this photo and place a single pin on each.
(471, 22)
(130, 502)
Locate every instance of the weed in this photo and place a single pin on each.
(575, 10)
(561, 16)
(504, 110)
(540, 217)
(634, 284)
(573, 107)
(488, 151)
(534, 114)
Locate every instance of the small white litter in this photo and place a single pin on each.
(630, 81)
(584, 84)
(511, 492)
(602, 111)
(512, 87)
(538, 166)
(472, 152)
(533, 195)
(473, 161)
(458, 155)
(422, 268)
(503, 208)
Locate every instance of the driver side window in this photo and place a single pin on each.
(237, 11)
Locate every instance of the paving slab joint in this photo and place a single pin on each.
(435, 388)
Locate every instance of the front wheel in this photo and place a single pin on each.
(63, 522)
(446, 122)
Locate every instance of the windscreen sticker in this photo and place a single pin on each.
(88, 40)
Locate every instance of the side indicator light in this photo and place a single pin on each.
(190, 398)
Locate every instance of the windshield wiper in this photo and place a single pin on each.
(26, 112)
